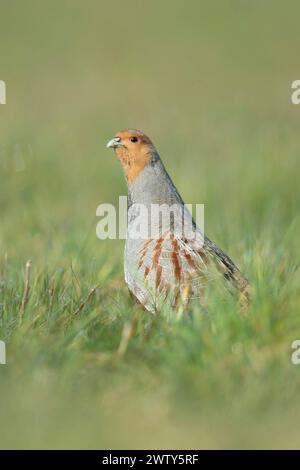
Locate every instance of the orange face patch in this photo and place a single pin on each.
(134, 152)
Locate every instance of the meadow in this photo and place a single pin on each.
(210, 83)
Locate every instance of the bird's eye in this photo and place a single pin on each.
(133, 139)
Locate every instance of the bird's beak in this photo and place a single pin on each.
(114, 143)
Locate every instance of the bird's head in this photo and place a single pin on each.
(134, 150)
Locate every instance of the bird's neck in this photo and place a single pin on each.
(153, 186)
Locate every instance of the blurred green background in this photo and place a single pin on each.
(210, 83)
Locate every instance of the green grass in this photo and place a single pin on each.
(210, 83)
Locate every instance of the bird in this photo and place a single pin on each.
(168, 260)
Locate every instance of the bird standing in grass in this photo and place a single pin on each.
(167, 257)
